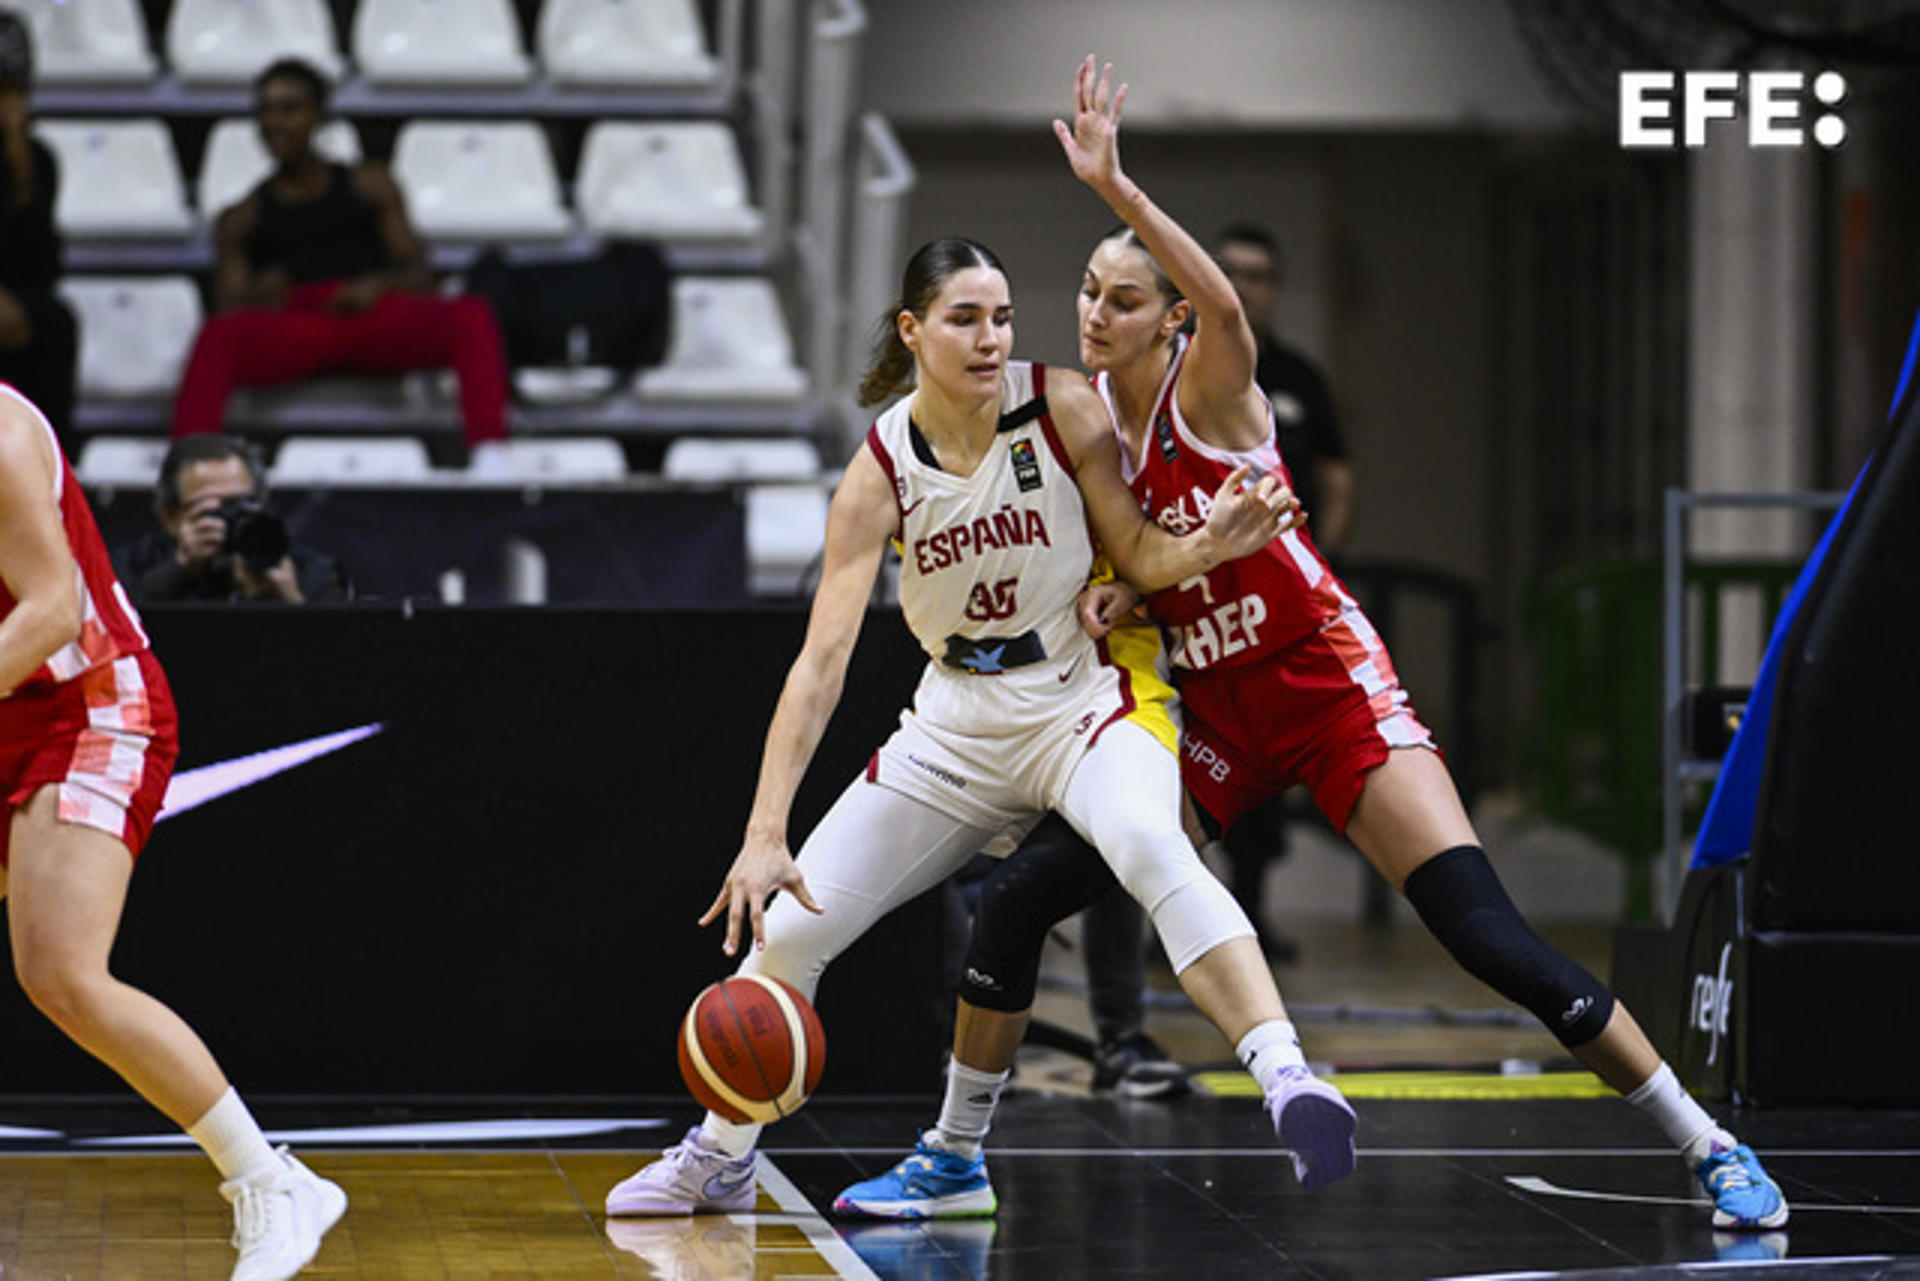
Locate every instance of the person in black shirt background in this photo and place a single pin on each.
(318, 270)
(1315, 452)
(39, 341)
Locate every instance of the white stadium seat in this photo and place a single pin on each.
(236, 160)
(439, 42)
(229, 42)
(135, 332)
(129, 462)
(333, 460)
(478, 180)
(724, 459)
(550, 459)
(786, 529)
(664, 180)
(729, 342)
(79, 42)
(624, 44)
(118, 178)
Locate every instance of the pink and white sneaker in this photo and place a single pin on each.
(691, 1177)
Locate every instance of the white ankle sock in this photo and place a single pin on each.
(1685, 1122)
(731, 1137)
(967, 1111)
(231, 1137)
(1269, 1049)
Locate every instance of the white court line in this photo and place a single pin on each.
(1580, 1153)
(24, 1132)
(483, 1131)
(801, 1214)
(1708, 1266)
(1533, 1183)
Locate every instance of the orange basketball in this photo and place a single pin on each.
(752, 1048)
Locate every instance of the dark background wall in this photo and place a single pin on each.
(498, 893)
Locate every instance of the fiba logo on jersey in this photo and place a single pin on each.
(1026, 465)
(1667, 108)
(1671, 109)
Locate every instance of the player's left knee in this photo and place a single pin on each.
(1462, 903)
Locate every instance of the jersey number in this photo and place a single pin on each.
(989, 603)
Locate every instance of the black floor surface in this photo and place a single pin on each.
(1093, 1187)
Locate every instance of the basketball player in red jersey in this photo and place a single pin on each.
(87, 743)
(1283, 680)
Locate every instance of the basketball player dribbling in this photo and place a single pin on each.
(994, 476)
(1308, 695)
(88, 738)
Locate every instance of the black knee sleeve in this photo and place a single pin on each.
(1049, 878)
(1463, 904)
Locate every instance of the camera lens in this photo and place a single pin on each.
(255, 535)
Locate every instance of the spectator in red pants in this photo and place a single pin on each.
(319, 271)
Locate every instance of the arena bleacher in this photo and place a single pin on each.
(719, 131)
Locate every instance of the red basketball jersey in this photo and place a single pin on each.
(1246, 609)
(109, 624)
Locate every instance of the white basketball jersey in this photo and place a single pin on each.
(997, 554)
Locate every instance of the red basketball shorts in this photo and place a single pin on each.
(106, 739)
(1323, 712)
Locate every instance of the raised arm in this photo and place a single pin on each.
(1217, 391)
(1241, 519)
(35, 562)
(859, 523)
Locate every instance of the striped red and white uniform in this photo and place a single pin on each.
(96, 719)
(1282, 677)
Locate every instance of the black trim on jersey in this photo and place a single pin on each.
(921, 449)
(1020, 417)
(1009, 421)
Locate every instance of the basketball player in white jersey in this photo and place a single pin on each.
(88, 738)
(993, 476)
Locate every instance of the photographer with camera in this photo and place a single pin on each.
(219, 538)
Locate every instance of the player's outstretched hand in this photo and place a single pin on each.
(1092, 141)
(1246, 518)
(761, 867)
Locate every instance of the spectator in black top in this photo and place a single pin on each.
(1315, 452)
(319, 271)
(219, 540)
(38, 336)
(1311, 443)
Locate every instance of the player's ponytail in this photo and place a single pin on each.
(890, 372)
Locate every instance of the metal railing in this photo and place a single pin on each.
(1678, 769)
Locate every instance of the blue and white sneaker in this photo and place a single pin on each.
(1744, 1197)
(1315, 1123)
(932, 1183)
(691, 1177)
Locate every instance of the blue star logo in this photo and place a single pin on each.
(986, 661)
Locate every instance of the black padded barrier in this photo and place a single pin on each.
(495, 895)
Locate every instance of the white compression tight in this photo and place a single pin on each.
(874, 850)
(877, 848)
(1124, 798)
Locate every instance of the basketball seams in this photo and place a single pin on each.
(795, 1092)
(731, 1040)
(750, 1045)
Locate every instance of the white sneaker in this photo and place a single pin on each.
(279, 1216)
(1316, 1123)
(691, 1177)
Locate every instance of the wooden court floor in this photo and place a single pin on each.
(1481, 1155)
